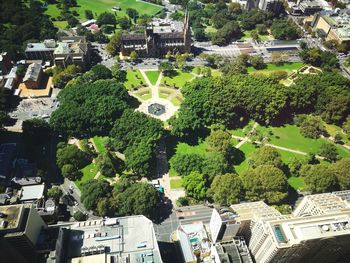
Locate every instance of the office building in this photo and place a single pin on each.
(124, 239)
(65, 52)
(318, 230)
(274, 6)
(158, 38)
(223, 225)
(20, 227)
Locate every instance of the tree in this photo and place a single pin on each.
(92, 191)
(233, 67)
(71, 172)
(21, 71)
(138, 199)
(199, 34)
(106, 164)
(113, 46)
(219, 141)
(194, 185)
(118, 74)
(226, 189)
(55, 193)
(106, 207)
(89, 14)
(267, 156)
(336, 110)
(90, 109)
(329, 151)
(101, 72)
(184, 164)
(341, 170)
(257, 62)
(70, 154)
(215, 164)
(62, 77)
(124, 23)
(135, 128)
(106, 19)
(132, 13)
(140, 159)
(316, 57)
(312, 127)
(262, 29)
(133, 56)
(284, 30)
(79, 216)
(36, 131)
(255, 35)
(266, 182)
(318, 178)
(166, 68)
(224, 35)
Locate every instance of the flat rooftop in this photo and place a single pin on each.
(12, 216)
(126, 237)
(292, 231)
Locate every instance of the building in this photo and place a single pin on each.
(67, 51)
(274, 6)
(33, 76)
(233, 251)
(333, 25)
(193, 242)
(31, 193)
(124, 239)
(20, 227)
(223, 226)
(159, 38)
(318, 230)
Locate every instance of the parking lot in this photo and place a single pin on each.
(34, 108)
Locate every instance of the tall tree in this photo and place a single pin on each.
(226, 189)
(194, 185)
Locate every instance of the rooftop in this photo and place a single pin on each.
(33, 72)
(11, 216)
(32, 192)
(131, 238)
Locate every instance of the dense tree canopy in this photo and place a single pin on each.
(341, 170)
(184, 164)
(36, 131)
(106, 164)
(318, 178)
(195, 186)
(284, 30)
(71, 154)
(268, 156)
(226, 189)
(90, 109)
(93, 191)
(266, 182)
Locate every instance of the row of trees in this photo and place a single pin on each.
(230, 99)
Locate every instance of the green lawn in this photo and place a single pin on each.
(289, 67)
(179, 80)
(176, 183)
(100, 6)
(176, 101)
(247, 149)
(296, 182)
(152, 76)
(144, 93)
(89, 173)
(241, 132)
(133, 78)
(289, 136)
(210, 29)
(60, 24)
(164, 92)
(248, 35)
(184, 148)
(100, 143)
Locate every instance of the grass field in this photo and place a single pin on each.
(176, 183)
(179, 80)
(100, 143)
(152, 76)
(100, 6)
(288, 67)
(144, 93)
(247, 149)
(296, 182)
(89, 173)
(248, 35)
(133, 79)
(176, 101)
(60, 24)
(184, 148)
(289, 136)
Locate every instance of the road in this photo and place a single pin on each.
(184, 215)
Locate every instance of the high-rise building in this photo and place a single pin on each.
(274, 6)
(20, 226)
(317, 231)
(223, 226)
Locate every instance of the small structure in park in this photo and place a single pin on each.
(156, 109)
